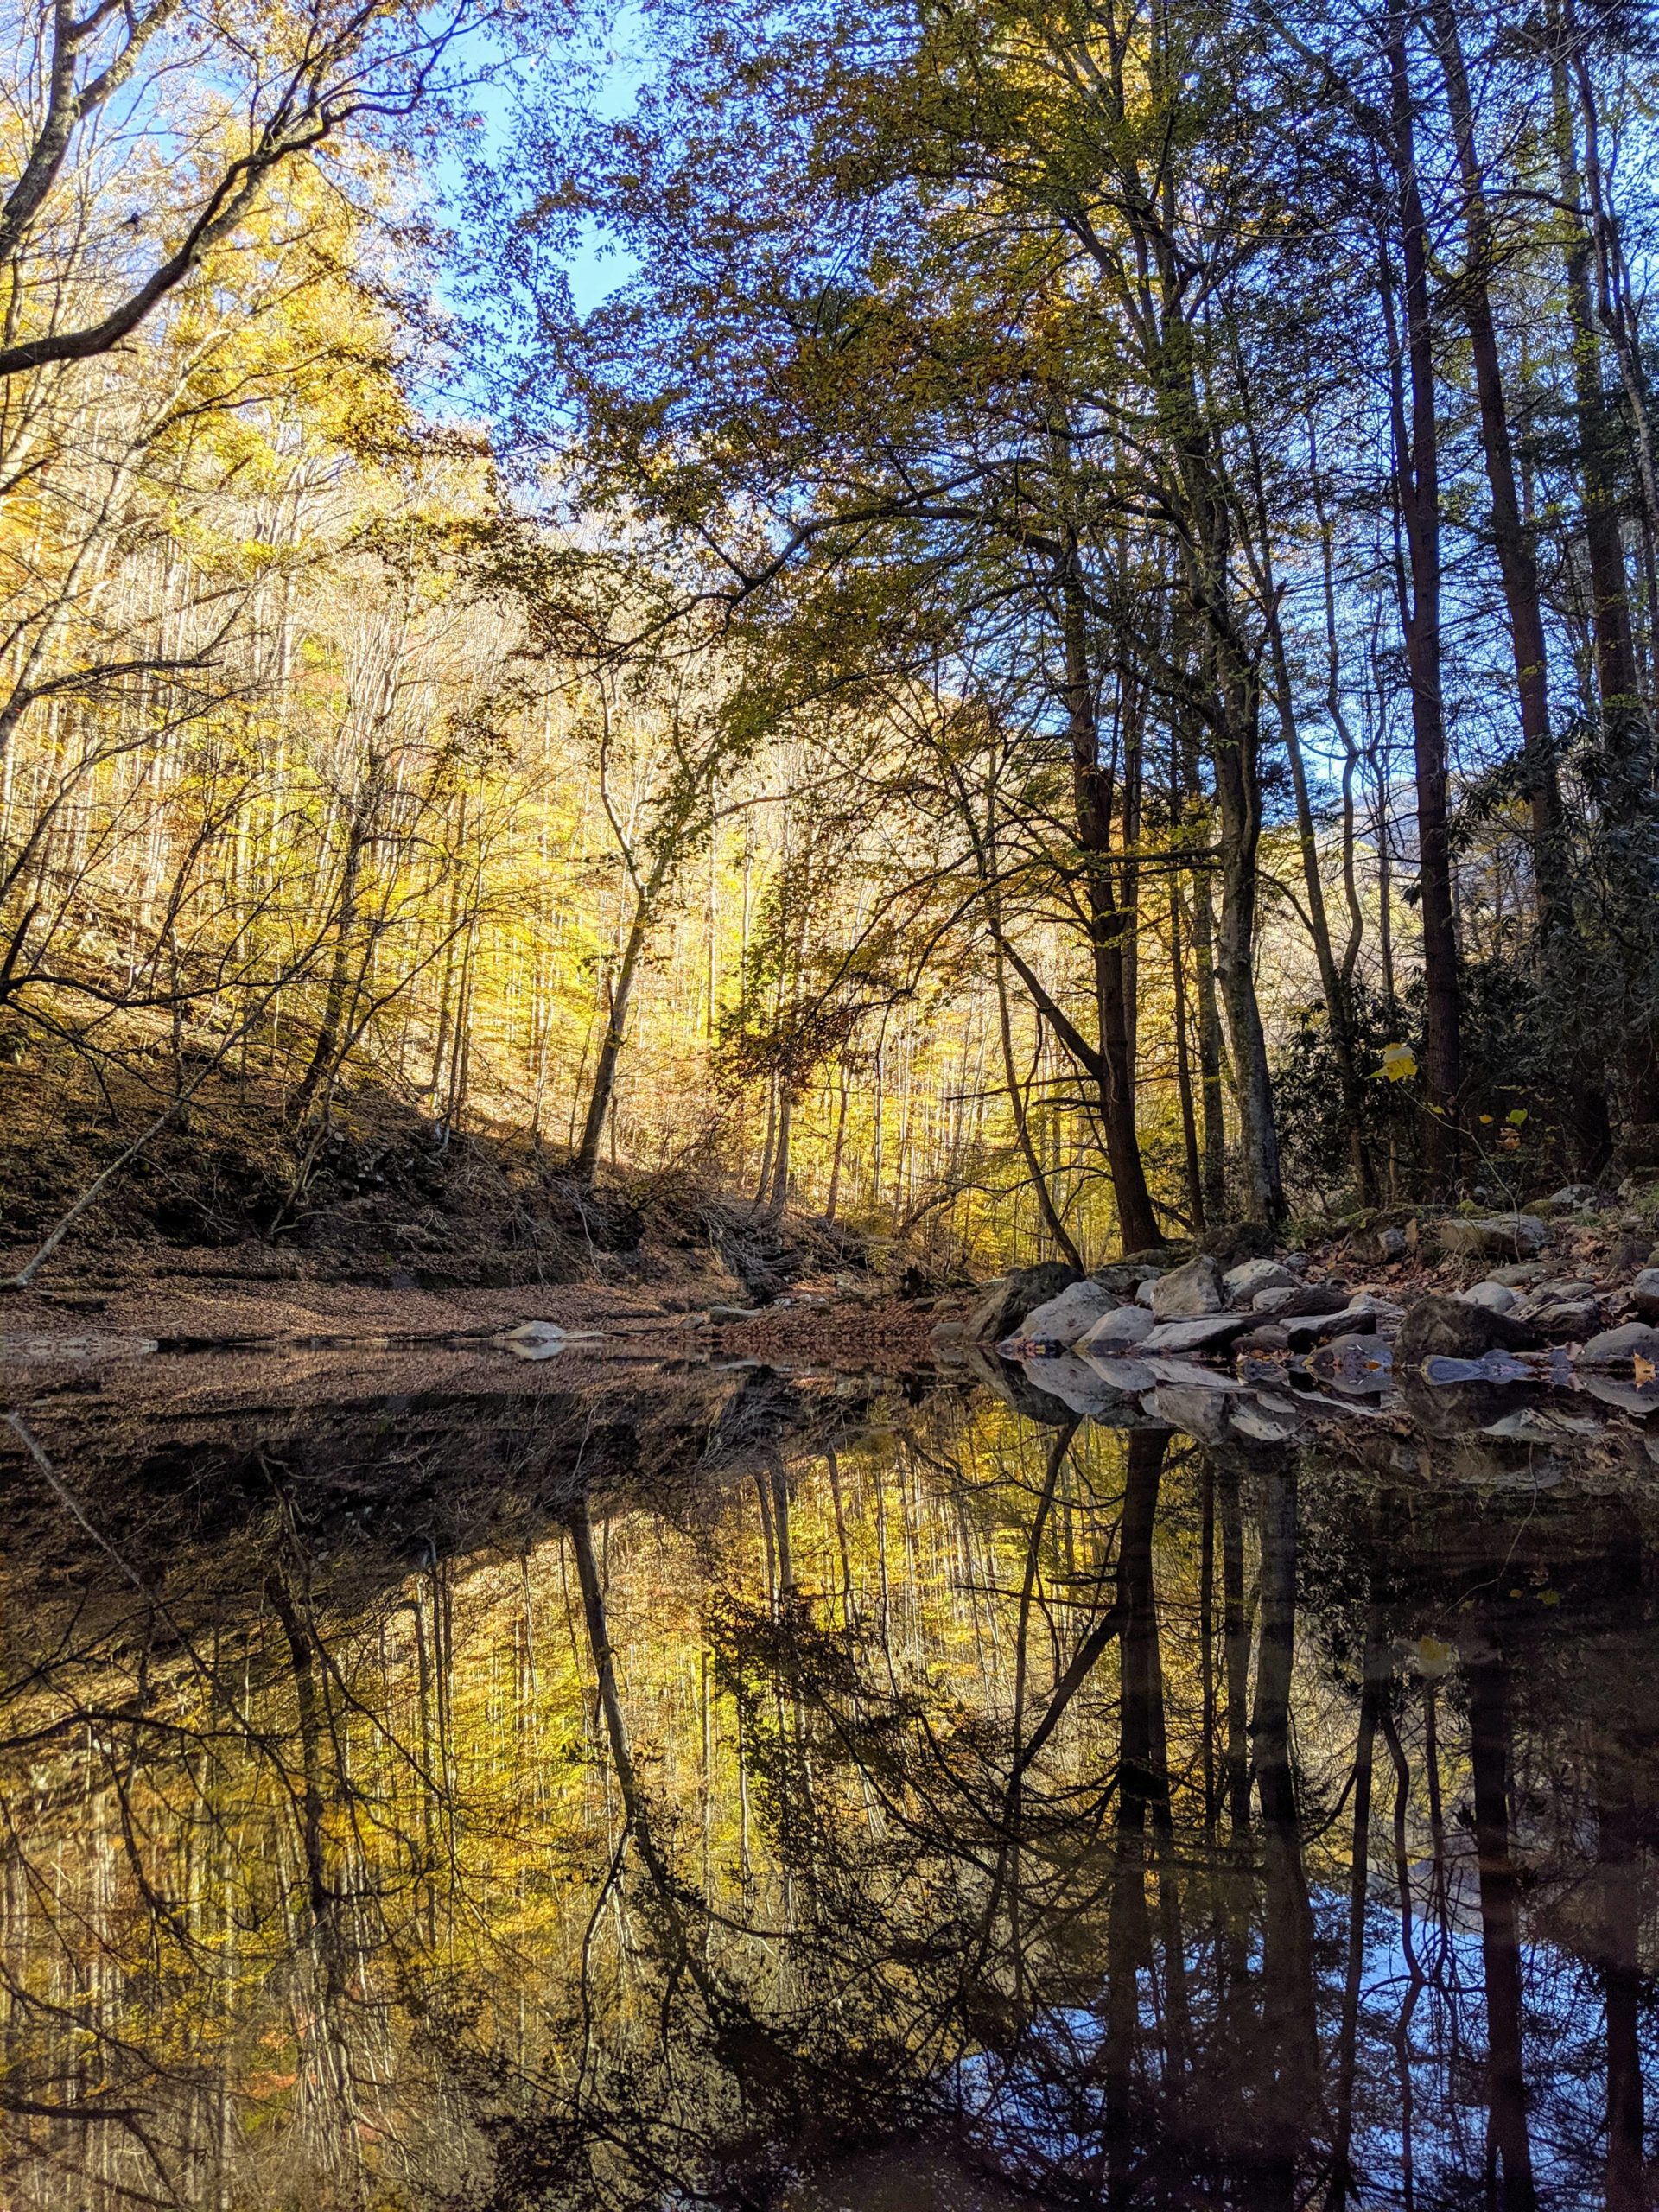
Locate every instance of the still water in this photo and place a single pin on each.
(722, 1789)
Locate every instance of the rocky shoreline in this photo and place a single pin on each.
(1532, 1351)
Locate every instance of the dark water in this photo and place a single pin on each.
(739, 1791)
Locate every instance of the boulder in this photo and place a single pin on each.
(1116, 1330)
(1143, 1295)
(1242, 1284)
(1064, 1318)
(1566, 1321)
(1391, 1244)
(1496, 1297)
(1573, 1199)
(1462, 1332)
(1129, 1374)
(1645, 1292)
(1262, 1341)
(1078, 1385)
(1635, 1340)
(1235, 1241)
(1502, 1236)
(1210, 1334)
(1286, 1305)
(1126, 1276)
(1003, 1305)
(1188, 1293)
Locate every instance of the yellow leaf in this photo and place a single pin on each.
(1399, 1063)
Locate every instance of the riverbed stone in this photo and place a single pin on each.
(1644, 1290)
(1631, 1340)
(1262, 1341)
(1506, 1235)
(1241, 1285)
(1188, 1293)
(1448, 1326)
(1496, 1297)
(1078, 1385)
(1115, 1330)
(1302, 1298)
(1211, 1333)
(1061, 1319)
(1003, 1305)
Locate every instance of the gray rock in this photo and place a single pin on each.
(1629, 1397)
(1362, 1316)
(1122, 1326)
(1265, 1339)
(1447, 1325)
(1061, 1319)
(1209, 1334)
(1188, 1293)
(1198, 1413)
(1143, 1295)
(1126, 1276)
(1261, 1421)
(1301, 1299)
(1078, 1386)
(1634, 1340)
(1496, 1297)
(1541, 1425)
(1507, 1236)
(1004, 1305)
(1130, 1374)
(1518, 1272)
(1241, 1285)
(719, 1314)
(1645, 1292)
(1187, 1376)
(1572, 1199)
(1566, 1321)
(1391, 1244)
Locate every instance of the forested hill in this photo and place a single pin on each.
(1059, 650)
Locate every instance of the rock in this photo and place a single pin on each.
(1645, 1292)
(1063, 1319)
(1629, 1397)
(1189, 1293)
(1122, 1326)
(1261, 1341)
(1286, 1305)
(1004, 1305)
(1197, 1412)
(1567, 1320)
(1360, 1363)
(1360, 1316)
(1462, 1332)
(1575, 1197)
(1235, 1241)
(1518, 1272)
(1265, 1420)
(1391, 1244)
(1496, 1297)
(1130, 1374)
(1635, 1340)
(1507, 1236)
(1143, 1295)
(1541, 1425)
(719, 1314)
(1077, 1385)
(1126, 1276)
(1183, 1374)
(1242, 1284)
(1209, 1334)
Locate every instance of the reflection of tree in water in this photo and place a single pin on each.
(1153, 1830)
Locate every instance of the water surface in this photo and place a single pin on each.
(675, 1787)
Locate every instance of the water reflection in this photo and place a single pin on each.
(866, 1805)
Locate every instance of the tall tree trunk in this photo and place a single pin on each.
(1417, 477)
(1517, 562)
(599, 1098)
(1109, 930)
